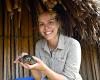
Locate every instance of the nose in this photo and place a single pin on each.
(46, 26)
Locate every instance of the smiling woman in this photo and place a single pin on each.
(57, 56)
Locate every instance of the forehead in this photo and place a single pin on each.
(46, 16)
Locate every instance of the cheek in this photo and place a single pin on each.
(40, 30)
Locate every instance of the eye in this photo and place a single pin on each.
(51, 22)
(41, 24)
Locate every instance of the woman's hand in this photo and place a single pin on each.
(35, 68)
(39, 65)
(17, 59)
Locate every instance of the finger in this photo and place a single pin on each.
(27, 66)
(23, 53)
(31, 66)
(17, 59)
(24, 65)
(36, 59)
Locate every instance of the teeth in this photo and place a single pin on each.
(48, 33)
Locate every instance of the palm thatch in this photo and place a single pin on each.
(80, 17)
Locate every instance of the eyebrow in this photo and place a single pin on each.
(52, 18)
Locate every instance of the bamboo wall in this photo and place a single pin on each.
(17, 37)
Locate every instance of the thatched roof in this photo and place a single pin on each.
(80, 17)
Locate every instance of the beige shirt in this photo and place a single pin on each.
(65, 59)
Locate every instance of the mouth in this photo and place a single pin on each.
(47, 34)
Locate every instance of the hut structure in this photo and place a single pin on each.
(18, 33)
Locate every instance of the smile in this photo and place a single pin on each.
(47, 33)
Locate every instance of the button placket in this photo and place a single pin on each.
(53, 61)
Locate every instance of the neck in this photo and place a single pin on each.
(53, 42)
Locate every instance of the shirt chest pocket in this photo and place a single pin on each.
(58, 64)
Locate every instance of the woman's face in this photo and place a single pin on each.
(48, 26)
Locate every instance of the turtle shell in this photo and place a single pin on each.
(27, 59)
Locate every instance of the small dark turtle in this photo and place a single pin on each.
(27, 59)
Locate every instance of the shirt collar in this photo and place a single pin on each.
(46, 48)
(61, 42)
(59, 46)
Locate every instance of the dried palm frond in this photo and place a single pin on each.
(85, 16)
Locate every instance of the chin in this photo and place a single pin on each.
(49, 38)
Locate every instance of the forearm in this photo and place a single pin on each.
(36, 74)
(53, 75)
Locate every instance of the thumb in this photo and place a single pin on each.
(24, 53)
(36, 59)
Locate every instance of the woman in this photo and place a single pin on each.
(58, 57)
